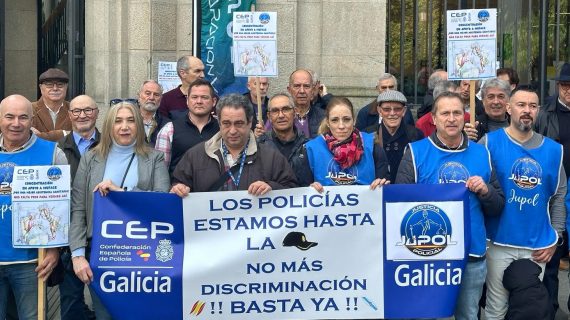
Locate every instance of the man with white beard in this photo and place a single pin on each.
(149, 97)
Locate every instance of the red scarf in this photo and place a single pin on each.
(347, 152)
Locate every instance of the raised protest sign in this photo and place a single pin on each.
(349, 253)
(471, 44)
(255, 44)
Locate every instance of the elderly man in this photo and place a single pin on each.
(150, 94)
(448, 154)
(50, 120)
(83, 112)
(189, 68)
(307, 118)
(436, 77)
(495, 94)
(529, 167)
(20, 146)
(232, 159)
(368, 115)
(284, 135)
(252, 95)
(553, 121)
(196, 126)
(393, 135)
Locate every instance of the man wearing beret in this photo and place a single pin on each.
(393, 134)
(51, 119)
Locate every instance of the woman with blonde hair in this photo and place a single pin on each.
(122, 161)
(341, 154)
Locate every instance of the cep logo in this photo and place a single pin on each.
(116, 229)
(458, 14)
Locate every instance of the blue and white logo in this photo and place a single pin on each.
(339, 176)
(526, 173)
(453, 172)
(54, 173)
(264, 18)
(6, 176)
(483, 16)
(426, 230)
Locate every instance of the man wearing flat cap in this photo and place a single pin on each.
(392, 134)
(51, 119)
(553, 121)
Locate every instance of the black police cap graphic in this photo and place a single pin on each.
(298, 239)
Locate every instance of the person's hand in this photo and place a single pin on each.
(378, 183)
(259, 130)
(543, 255)
(105, 186)
(45, 268)
(180, 189)
(322, 90)
(82, 269)
(318, 186)
(476, 185)
(35, 131)
(470, 130)
(258, 188)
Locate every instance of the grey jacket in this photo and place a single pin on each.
(153, 176)
(547, 120)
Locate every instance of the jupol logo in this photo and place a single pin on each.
(264, 18)
(54, 173)
(526, 173)
(341, 177)
(453, 172)
(425, 230)
(6, 176)
(483, 16)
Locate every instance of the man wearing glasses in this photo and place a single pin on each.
(51, 121)
(393, 135)
(83, 114)
(553, 121)
(368, 115)
(284, 135)
(232, 159)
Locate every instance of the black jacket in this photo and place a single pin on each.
(528, 297)
(297, 156)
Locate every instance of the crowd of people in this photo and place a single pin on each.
(513, 162)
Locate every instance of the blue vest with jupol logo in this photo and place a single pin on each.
(39, 153)
(529, 178)
(328, 172)
(434, 165)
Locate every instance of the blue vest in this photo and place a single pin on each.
(434, 165)
(328, 172)
(39, 153)
(529, 178)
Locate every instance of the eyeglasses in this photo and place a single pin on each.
(276, 111)
(128, 100)
(51, 85)
(393, 109)
(77, 112)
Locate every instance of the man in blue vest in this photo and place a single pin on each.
(19, 146)
(529, 168)
(447, 156)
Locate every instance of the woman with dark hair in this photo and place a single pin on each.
(122, 161)
(342, 155)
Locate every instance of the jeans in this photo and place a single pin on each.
(71, 293)
(23, 280)
(498, 259)
(470, 292)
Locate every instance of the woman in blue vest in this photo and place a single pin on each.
(122, 161)
(342, 155)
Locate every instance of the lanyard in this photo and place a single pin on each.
(241, 163)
